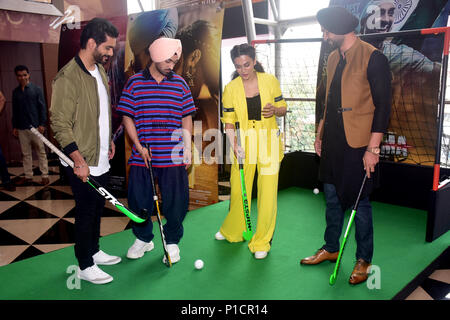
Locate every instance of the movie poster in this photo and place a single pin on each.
(415, 63)
(199, 27)
(16, 26)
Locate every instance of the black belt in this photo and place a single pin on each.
(340, 110)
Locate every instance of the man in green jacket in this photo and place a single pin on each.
(81, 120)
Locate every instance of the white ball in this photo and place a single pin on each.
(198, 264)
(316, 191)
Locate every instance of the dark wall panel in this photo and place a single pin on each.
(400, 184)
(233, 20)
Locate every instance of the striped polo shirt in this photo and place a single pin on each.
(157, 110)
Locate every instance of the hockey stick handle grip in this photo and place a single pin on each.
(65, 158)
(155, 197)
(238, 133)
(360, 192)
(238, 138)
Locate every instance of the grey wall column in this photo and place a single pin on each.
(277, 31)
(277, 45)
(249, 23)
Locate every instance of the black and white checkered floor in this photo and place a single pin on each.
(37, 219)
(434, 282)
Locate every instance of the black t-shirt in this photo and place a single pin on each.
(254, 108)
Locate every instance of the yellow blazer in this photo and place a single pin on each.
(235, 105)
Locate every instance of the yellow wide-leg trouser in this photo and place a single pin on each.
(234, 223)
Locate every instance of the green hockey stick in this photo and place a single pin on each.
(352, 217)
(91, 181)
(248, 233)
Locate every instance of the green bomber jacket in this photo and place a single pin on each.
(75, 110)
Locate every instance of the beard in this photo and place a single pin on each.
(164, 72)
(335, 44)
(100, 58)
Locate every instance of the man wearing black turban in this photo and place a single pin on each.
(337, 20)
(357, 109)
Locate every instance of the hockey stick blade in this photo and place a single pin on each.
(247, 233)
(116, 203)
(167, 262)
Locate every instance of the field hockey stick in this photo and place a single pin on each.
(248, 233)
(91, 181)
(352, 217)
(158, 213)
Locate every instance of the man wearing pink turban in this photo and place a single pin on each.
(157, 109)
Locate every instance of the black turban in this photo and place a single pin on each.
(337, 20)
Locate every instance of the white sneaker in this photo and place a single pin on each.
(260, 254)
(219, 236)
(138, 249)
(174, 253)
(101, 258)
(94, 274)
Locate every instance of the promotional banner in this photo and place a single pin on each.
(36, 27)
(199, 27)
(16, 26)
(415, 63)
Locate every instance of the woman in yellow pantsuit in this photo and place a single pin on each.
(253, 98)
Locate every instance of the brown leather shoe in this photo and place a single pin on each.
(45, 181)
(23, 181)
(320, 256)
(360, 272)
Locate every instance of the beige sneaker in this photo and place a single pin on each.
(260, 254)
(174, 253)
(138, 249)
(219, 236)
(101, 258)
(94, 275)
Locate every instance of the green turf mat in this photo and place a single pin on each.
(230, 270)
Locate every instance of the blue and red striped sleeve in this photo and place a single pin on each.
(127, 103)
(187, 103)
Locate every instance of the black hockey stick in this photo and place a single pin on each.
(158, 213)
(91, 181)
(350, 221)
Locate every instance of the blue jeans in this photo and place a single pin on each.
(4, 174)
(173, 183)
(335, 220)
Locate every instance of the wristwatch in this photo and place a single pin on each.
(374, 150)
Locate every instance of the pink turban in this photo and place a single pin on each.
(164, 48)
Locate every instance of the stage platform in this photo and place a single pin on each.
(231, 272)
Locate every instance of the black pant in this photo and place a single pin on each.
(89, 206)
(4, 174)
(174, 186)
